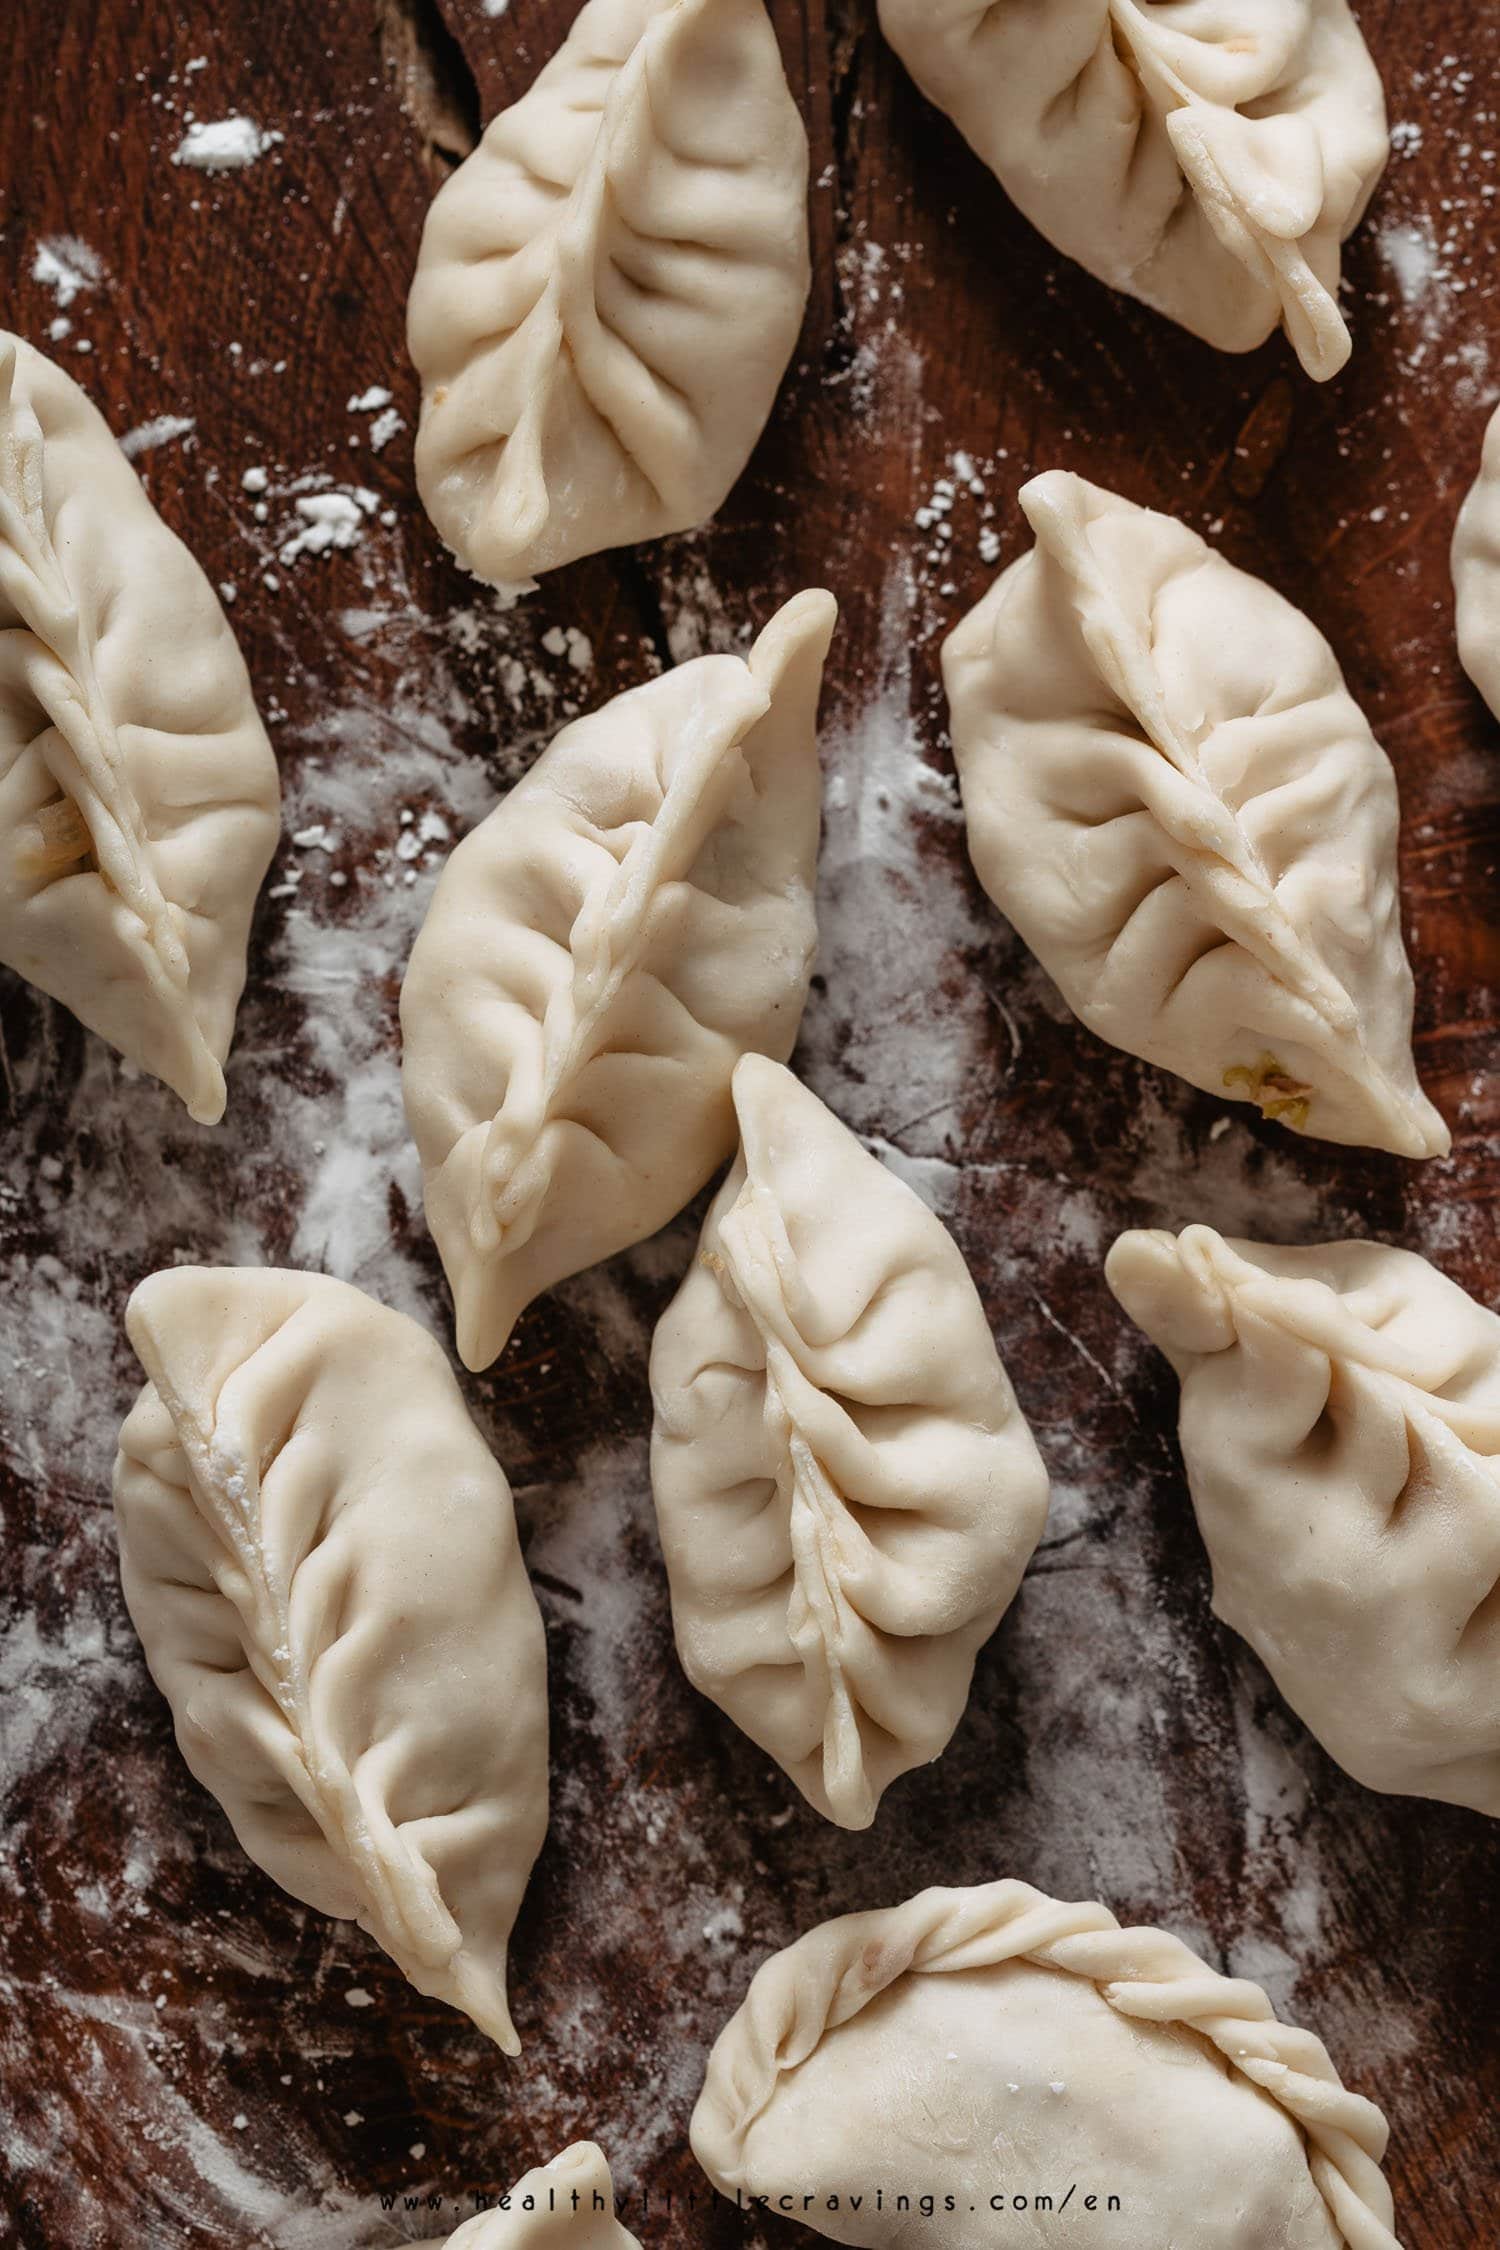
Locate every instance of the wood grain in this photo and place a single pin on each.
(179, 2055)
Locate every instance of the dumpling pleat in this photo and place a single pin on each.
(610, 288)
(1170, 792)
(598, 955)
(320, 1556)
(1340, 1425)
(845, 1488)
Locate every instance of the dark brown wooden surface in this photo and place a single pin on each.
(184, 2055)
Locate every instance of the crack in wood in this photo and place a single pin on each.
(434, 85)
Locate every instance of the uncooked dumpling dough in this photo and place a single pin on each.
(599, 953)
(319, 1554)
(978, 2047)
(846, 1488)
(609, 290)
(1341, 1429)
(1476, 572)
(1206, 156)
(138, 792)
(568, 2204)
(1172, 794)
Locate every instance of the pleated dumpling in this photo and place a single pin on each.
(1172, 794)
(138, 792)
(1476, 572)
(846, 1488)
(973, 2050)
(610, 288)
(1340, 1426)
(1206, 156)
(568, 2204)
(598, 954)
(319, 1554)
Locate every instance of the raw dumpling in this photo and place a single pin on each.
(846, 1488)
(1341, 1429)
(1476, 573)
(598, 954)
(1172, 794)
(138, 792)
(568, 2204)
(320, 1557)
(1206, 156)
(982, 2047)
(609, 290)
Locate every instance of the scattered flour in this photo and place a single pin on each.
(328, 520)
(67, 267)
(230, 144)
(568, 641)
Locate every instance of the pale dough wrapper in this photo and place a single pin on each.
(610, 288)
(994, 2042)
(1476, 572)
(1206, 156)
(598, 954)
(319, 1553)
(846, 1488)
(1340, 1426)
(139, 799)
(1173, 796)
(542, 2213)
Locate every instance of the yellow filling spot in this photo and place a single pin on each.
(1274, 1093)
(55, 839)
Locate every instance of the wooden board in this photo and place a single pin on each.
(184, 2053)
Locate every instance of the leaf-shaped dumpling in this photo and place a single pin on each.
(319, 1554)
(138, 791)
(610, 288)
(1206, 156)
(598, 954)
(1476, 572)
(846, 1488)
(568, 2204)
(974, 2046)
(1340, 1425)
(1172, 794)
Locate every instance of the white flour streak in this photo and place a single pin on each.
(147, 436)
(892, 1033)
(229, 144)
(1412, 254)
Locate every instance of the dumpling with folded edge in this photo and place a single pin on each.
(1476, 572)
(976, 2046)
(1173, 796)
(568, 2204)
(1340, 1426)
(319, 1553)
(610, 288)
(846, 1489)
(138, 791)
(598, 954)
(1206, 156)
